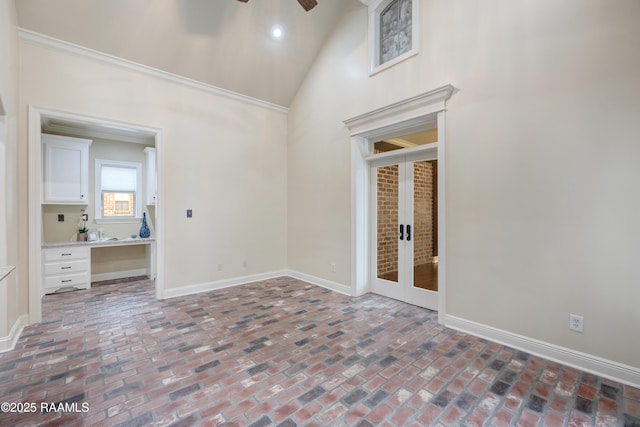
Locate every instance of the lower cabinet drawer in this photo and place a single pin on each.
(54, 283)
(71, 266)
(65, 253)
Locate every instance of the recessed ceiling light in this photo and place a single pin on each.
(277, 32)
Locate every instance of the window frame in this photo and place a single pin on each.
(376, 7)
(98, 192)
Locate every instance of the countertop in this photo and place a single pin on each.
(5, 270)
(103, 242)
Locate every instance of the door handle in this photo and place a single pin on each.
(401, 232)
(408, 232)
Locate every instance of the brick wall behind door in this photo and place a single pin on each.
(387, 219)
(423, 212)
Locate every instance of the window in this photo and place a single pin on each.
(393, 32)
(118, 190)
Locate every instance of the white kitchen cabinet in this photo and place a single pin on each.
(65, 170)
(66, 268)
(151, 189)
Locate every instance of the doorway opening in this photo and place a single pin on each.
(421, 113)
(111, 135)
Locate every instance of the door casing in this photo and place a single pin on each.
(424, 111)
(35, 209)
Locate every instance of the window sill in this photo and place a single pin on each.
(375, 69)
(118, 220)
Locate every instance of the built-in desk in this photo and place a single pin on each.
(67, 266)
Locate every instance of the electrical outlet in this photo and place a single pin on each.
(60, 217)
(576, 323)
(189, 213)
(334, 267)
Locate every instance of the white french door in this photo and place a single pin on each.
(404, 228)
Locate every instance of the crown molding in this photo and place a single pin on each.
(404, 112)
(42, 40)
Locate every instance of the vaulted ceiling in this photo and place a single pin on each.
(225, 43)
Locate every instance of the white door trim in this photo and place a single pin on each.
(35, 210)
(420, 112)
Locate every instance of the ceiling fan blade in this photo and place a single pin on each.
(308, 4)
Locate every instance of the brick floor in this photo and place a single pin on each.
(282, 352)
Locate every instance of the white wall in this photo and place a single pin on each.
(542, 175)
(225, 159)
(542, 204)
(11, 294)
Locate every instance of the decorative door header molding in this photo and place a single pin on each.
(402, 112)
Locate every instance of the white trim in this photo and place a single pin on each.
(360, 183)
(100, 277)
(602, 367)
(243, 280)
(442, 217)
(328, 284)
(35, 214)
(401, 117)
(9, 342)
(220, 284)
(128, 220)
(42, 40)
(395, 156)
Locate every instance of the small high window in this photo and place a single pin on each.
(118, 190)
(393, 32)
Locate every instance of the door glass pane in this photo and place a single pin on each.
(425, 227)
(387, 214)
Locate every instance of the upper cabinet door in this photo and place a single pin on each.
(65, 170)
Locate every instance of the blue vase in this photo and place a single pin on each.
(144, 228)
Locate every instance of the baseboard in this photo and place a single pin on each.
(236, 281)
(9, 342)
(334, 286)
(586, 362)
(220, 284)
(100, 277)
